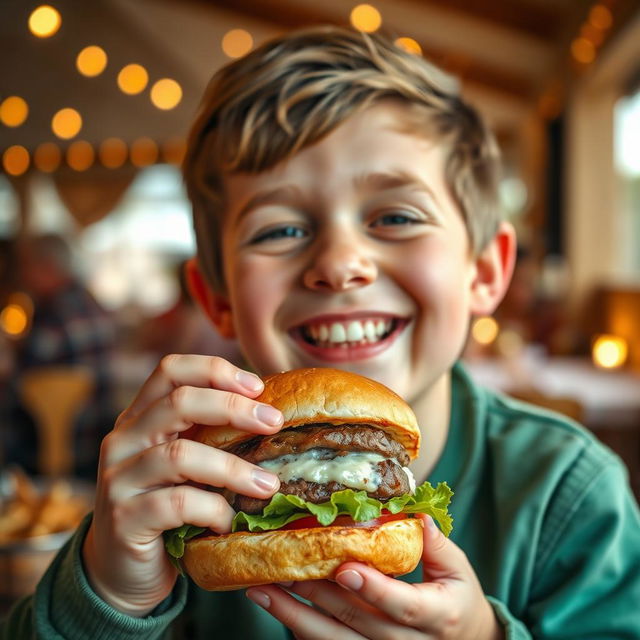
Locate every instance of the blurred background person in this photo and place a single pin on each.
(67, 327)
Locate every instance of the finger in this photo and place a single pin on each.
(305, 622)
(417, 606)
(182, 460)
(145, 516)
(185, 406)
(194, 370)
(353, 611)
(441, 557)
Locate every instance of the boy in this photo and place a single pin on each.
(340, 184)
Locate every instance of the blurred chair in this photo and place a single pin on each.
(566, 405)
(54, 396)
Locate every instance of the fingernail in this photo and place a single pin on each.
(268, 415)
(350, 579)
(264, 480)
(259, 597)
(249, 381)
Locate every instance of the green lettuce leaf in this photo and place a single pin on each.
(283, 509)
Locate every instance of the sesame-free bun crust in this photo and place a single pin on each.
(239, 560)
(307, 396)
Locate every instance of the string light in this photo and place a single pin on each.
(91, 61)
(15, 160)
(47, 157)
(66, 123)
(237, 43)
(13, 111)
(485, 330)
(410, 45)
(44, 21)
(112, 153)
(366, 17)
(144, 151)
(133, 79)
(80, 155)
(166, 94)
(609, 352)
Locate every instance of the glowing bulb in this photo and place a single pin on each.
(113, 153)
(144, 151)
(173, 150)
(600, 17)
(91, 61)
(609, 351)
(485, 330)
(166, 94)
(237, 43)
(366, 18)
(14, 320)
(132, 79)
(80, 155)
(44, 21)
(15, 160)
(13, 111)
(410, 45)
(66, 123)
(47, 157)
(583, 50)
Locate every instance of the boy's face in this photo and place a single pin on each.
(351, 254)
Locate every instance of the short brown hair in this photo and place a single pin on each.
(297, 88)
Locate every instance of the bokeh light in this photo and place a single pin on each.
(66, 123)
(47, 157)
(166, 94)
(144, 151)
(366, 17)
(410, 45)
(600, 17)
(80, 155)
(15, 160)
(13, 111)
(583, 50)
(609, 352)
(237, 43)
(133, 79)
(91, 61)
(112, 153)
(485, 330)
(44, 21)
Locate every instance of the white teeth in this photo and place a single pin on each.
(370, 331)
(337, 333)
(355, 332)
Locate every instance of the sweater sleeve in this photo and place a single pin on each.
(64, 607)
(587, 582)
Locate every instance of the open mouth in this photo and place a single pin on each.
(349, 334)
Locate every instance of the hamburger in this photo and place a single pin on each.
(346, 491)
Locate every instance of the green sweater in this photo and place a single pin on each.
(542, 510)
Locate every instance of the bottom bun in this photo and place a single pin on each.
(238, 560)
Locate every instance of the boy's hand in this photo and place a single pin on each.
(143, 469)
(367, 604)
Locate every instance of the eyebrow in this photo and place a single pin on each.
(268, 197)
(394, 179)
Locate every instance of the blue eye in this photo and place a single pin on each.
(284, 232)
(394, 219)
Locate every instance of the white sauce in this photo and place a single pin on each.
(355, 469)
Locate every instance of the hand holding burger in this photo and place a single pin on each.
(346, 491)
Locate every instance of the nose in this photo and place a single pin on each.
(340, 265)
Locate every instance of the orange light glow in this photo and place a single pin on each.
(600, 17)
(237, 43)
(13, 111)
(47, 157)
(410, 45)
(91, 61)
(80, 155)
(173, 150)
(583, 50)
(14, 320)
(144, 151)
(44, 21)
(485, 330)
(166, 94)
(15, 160)
(133, 79)
(366, 17)
(113, 153)
(609, 352)
(66, 123)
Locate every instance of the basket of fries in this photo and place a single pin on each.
(37, 516)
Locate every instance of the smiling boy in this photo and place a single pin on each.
(345, 210)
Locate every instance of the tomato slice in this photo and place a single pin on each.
(309, 522)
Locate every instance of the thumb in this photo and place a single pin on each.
(441, 558)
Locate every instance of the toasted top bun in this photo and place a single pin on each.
(308, 396)
(239, 560)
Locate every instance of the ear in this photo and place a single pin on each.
(215, 305)
(494, 268)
